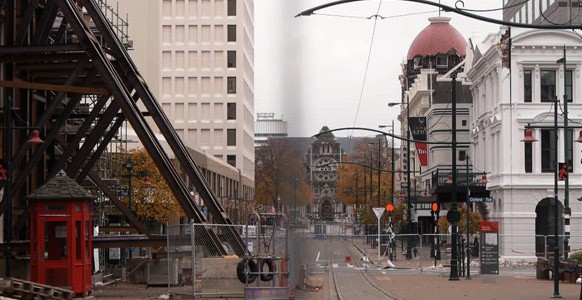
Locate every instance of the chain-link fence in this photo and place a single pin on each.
(190, 269)
(275, 254)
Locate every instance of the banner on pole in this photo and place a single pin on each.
(417, 127)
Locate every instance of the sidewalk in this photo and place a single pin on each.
(421, 287)
(513, 283)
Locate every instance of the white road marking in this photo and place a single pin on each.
(317, 259)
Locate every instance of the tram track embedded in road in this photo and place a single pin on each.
(371, 282)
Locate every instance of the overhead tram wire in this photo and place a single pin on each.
(367, 67)
(375, 16)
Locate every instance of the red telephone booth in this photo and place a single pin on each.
(61, 235)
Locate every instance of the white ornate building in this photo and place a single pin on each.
(513, 83)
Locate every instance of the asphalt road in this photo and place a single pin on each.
(340, 278)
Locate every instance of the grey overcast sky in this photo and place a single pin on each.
(310, 70)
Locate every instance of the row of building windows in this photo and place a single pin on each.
(205, 139)
(194, 34)
(547, 85)
(204, 86)
(192, 60)
(530, 11)
(201, 112)
(197, 8)
(548, 151)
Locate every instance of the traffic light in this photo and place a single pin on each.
(390, 208)
(435, 208)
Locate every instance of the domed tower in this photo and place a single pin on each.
(438, 51)
(439, 46)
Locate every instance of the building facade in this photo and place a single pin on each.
(198, 58)
(267, 126)
(515, 86)
(437, 53)
(323, 155)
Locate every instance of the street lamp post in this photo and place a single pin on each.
(35, 139)
(408, 190)
(357, 186)
(393, 167)
(129, 166)
(468, 277)
(392, 162)
(566, 212)
(295, 201)
(379, 166)
(454, 213)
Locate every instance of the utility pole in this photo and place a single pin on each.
(468, 277)
(567, 143)
(408, 191)
(453, 214)
(393, 166)
(356, 217)
(379, 167)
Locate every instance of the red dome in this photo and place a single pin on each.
(438, 37)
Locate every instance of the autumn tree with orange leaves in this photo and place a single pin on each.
(354, 176)
(151, 198)
(280, 173)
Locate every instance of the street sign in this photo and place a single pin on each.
(480, 199)
(378, 211)
(489, 247)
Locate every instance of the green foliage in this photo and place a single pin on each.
(576, 256)
(474, 219)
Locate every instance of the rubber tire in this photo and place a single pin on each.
(271, 265)
(242, 274)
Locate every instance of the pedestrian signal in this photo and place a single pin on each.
(435, 207)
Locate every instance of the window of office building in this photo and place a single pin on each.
(231, 8)
(231, 111)
(231, 59)
(570, 148)
(548, 85)
(231, 85)
(231, 160)
(231, 33)
(462, 155)
(527, 91)
(549, 146)
(569, 85)
(231, 137)
(548, 150)
(528, 157)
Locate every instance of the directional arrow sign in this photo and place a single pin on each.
(378, 211)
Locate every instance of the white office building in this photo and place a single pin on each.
(197, 56)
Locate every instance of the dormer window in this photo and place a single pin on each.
(417, 62)
(442, 61)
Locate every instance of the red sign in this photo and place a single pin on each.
(421, 150)
(417, 126)
(489, 226)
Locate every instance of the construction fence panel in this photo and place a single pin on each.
(197, 272)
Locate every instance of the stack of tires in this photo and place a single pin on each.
(248, 269)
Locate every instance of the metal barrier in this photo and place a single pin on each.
(188, 269)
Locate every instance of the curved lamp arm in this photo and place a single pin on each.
(390, 135)
(455, 9)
